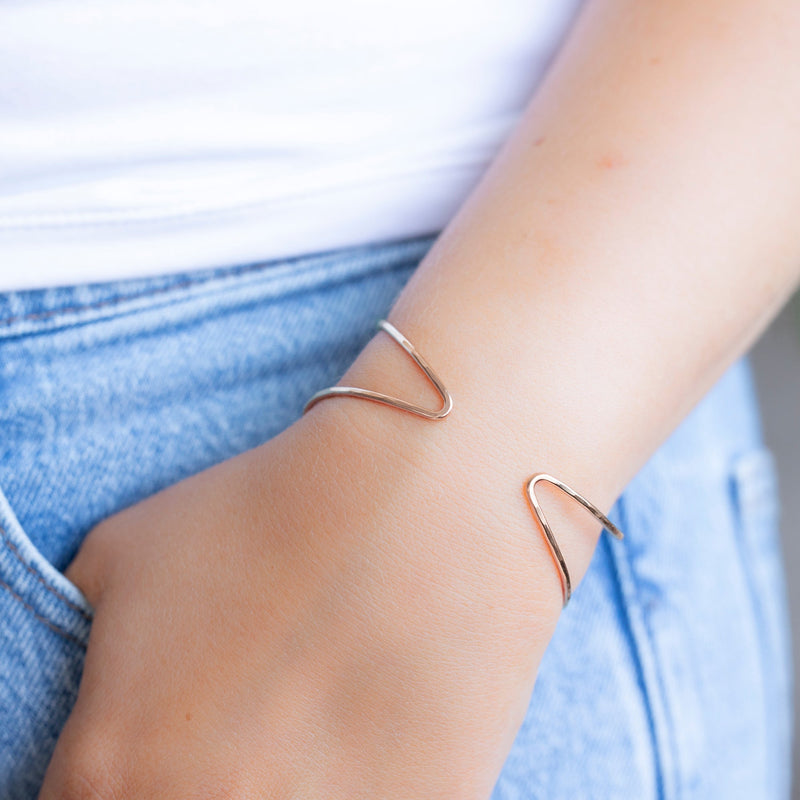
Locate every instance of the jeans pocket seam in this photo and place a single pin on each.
(756, 497)
(38, 585)
(41, 618)
(40, 578)
(643, 648)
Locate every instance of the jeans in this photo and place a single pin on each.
(669, 673)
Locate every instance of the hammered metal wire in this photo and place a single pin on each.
(377, 397)
(566, 583)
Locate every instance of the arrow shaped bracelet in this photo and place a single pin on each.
(447, 405)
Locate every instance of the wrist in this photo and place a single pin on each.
(474, 470)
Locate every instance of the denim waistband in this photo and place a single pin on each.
(36, 310)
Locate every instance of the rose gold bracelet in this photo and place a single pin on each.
(447, 405)
(367, 394)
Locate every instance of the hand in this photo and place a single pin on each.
(324, 616)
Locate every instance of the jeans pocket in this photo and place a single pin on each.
(36, 585)
(703, 599)
(44, 629)
(756, 498)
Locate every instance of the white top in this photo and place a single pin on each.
(150, 136)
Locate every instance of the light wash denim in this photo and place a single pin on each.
(669, 674)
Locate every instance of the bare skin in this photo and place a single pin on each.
(364, 601)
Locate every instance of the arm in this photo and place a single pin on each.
(634, 237)
(373, 622)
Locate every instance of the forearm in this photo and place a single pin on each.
(363, 600)
(635, 235)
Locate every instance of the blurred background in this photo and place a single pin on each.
(776, 363)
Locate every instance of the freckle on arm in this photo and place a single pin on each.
(611, 161)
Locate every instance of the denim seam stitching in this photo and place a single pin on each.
(181, 284)
(68, 636)
(636, 648)
(178, 285)
(15, 551)
(745, 509)
(671, 727)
